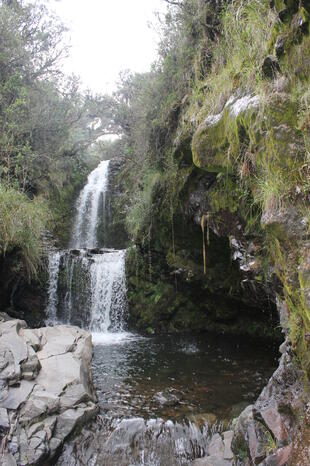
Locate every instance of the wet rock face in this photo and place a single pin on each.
(219, 451)
(18, 297)
(46, 389)
(265, 432)
(112, 232)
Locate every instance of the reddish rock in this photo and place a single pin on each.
(280, 457)
(275, 423)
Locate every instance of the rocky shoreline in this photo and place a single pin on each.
(46, 389)
(48, 397)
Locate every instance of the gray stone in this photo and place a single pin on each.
(212, 460)
(54, 444)
(228, 436)
(39, 403)
(74, 395)
(47, 425)
(166, 399)
(31, 337)
(37, 448)
(46, 384)
(286, 219)
(280, 458)
(65, 366)
(31, 367)
(72, 418)
(17, 395)
(59, 340)
(7, 459)
(200, 462)
(216, 446)
(4, 419)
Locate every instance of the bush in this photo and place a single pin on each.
(22, 222)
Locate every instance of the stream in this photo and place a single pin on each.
(160, 397)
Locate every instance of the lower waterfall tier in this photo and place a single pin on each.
(87, 288)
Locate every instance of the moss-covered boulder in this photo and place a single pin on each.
(217, 139)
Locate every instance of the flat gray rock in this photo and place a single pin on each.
(4, 419)
(58, 371)
(212, 460)
(59, 340)
(216, 446)
(228, 436)
(46, 388)
(17, 395)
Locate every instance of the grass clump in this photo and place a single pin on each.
(238, 55)
(140, 211)
(22, 222)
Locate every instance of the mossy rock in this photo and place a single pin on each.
(279, 109)
(217, 140)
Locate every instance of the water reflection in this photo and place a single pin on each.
(162, 398)
(179, 377)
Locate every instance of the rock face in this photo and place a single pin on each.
(268, 432)
(46, 389)
(112, 232)
(219, 451)
(218, 132)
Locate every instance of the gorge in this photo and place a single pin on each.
(146, 282)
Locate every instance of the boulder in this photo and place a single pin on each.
(219, 451)
(267, 432)
(46, 389)
(216, 446)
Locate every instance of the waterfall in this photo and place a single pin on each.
(53, 272)
(87, 207)
(108, 286)
(87, 285)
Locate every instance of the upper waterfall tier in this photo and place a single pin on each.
(91, 200)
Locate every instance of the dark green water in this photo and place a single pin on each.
(161, 398)
(177, 377)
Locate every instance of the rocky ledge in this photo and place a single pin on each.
(46, 389)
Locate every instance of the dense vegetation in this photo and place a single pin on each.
(47, 125)
(213, 185)
(248, 171)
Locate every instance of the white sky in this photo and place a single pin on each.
(108, 36)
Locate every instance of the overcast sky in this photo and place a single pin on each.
(108, 36)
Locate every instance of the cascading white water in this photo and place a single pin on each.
(53, 272)
(108, 284)
(87, 285)
(87, 206)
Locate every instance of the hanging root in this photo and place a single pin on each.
(204, 223)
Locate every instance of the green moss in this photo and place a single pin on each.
(218, 140)
(279, 5)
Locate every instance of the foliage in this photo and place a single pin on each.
(22, 223)
(47, 124)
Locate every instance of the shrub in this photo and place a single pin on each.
(22, 222)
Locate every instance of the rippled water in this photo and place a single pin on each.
(177, 377)
(161, 398)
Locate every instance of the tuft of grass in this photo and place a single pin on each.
(22, 222)
(140, 211)
(247, 29)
